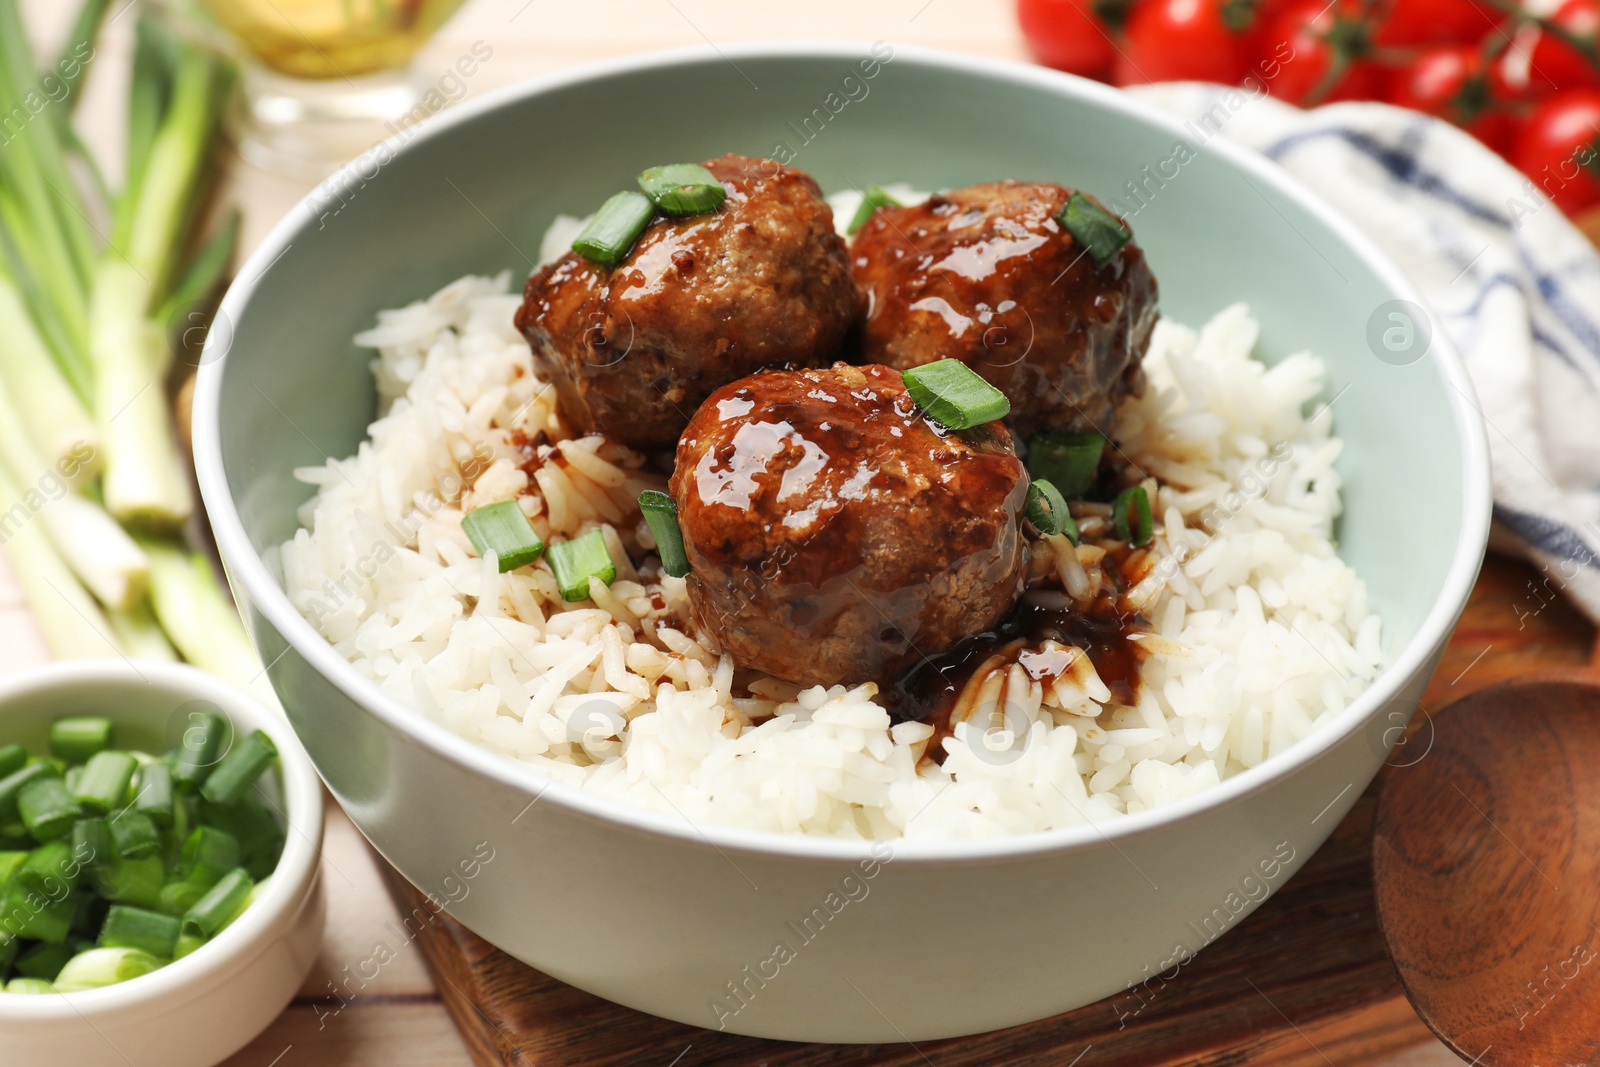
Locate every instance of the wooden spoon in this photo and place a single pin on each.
(1486, 866)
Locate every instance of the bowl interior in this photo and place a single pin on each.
(474, 191)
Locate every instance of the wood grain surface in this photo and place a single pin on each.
(1304, 980)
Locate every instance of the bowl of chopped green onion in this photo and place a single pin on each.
(159, 841)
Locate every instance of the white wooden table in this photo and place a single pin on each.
(398, 1020)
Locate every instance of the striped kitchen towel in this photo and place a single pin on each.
(1513, 282)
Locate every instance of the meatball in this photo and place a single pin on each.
(763, 281)
(987, 275)
(835, 534)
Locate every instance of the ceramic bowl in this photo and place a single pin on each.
(201, 1009)
(683, 920)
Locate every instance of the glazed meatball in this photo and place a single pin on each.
(835, 534)
(762, 281)
(988, 276)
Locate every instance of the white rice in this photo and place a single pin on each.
(1258, 629)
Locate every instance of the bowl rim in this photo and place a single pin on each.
(263, 922)
(249, 569)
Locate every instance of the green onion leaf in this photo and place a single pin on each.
(93, 845)
(29, 914)
(952, 394)
(1130, 516)
(77, 737)
(682, 188)
(874, 198)
(178, 897)
(187, 943)
(131, 881)
(503, 529)
(100, 967)
(614, 228)
(147, 931)
(239, 769)
(12, 784)
(154, 793)
(1047, 510)
(47, 809)
(12, 759)
(1101, 233)
(216, 909)
(662, 516)
(207, 855)
(135, 835)
(197, 753)
(105, 778)
(49, 870)
(1068, 460)
(575, 562)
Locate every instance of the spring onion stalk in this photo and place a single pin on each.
(78, 738)
(47, 408)
(575, 562)
(79, 43)
(503, 529)
(100, 967)
(139, 634)
(661, 514)
(615, 227)
(239, 769)
(198, 618)
(198, 750)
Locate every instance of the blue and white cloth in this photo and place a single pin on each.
(1514, 283)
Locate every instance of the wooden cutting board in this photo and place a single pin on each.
(1304, 981)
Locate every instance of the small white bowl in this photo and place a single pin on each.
(201, 1009)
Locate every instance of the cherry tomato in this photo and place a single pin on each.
(1406, 23)
(1449, 81)
(1554, 64)
(1067, 35)
(1182, 40)
(1305, 40)
(1557, 149)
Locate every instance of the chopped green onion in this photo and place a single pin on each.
(952, 394)
(871, 200)
(1047, 510)
(43, 961)
(1130, 516)
(503, 529)
(207, 855)
(100, 967)
(47, 809)
(12, 759)
(104, 780)
(29, 986)
(178, 897)
(239, 769)
(10, 862)
(202, 740)
(131, 881)
(614, 228)
(77, 737)
(92, 844)
(682, 188)
(575, 562)
(187, 943)
(1068, 460)
(662, 516)
(27, 914)
(147, 931)
(135, 835)
(257, 831)
(154, 793)
(46, 870)
(214, 910)
(1100, 233)
(12, 784)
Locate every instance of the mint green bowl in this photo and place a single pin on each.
(682, 920)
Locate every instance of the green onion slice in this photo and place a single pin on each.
(1101, 233)
(47, 809)
(1047, 510)
(77, 737)
(205, 736)
(135, 835)
(1130, 516)
(682, 188)
(614, 228)
(504, 530)
(147, 931)
(154, 795)
(1069, 460)
(662, 516)
(952, 394)
(575, 562)
(874, 198)
(239, 769)
(214, 910)
(103, 781)
(29, 986)
(12, 759)
(100, 967)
